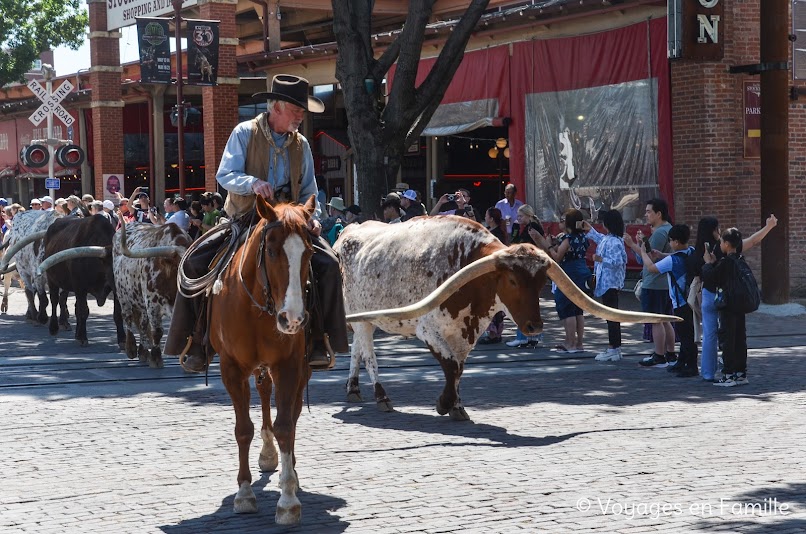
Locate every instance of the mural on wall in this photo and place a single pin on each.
(593, 148)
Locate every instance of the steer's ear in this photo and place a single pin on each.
(264, 209)
(310, 207)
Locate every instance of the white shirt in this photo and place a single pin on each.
(509, 213)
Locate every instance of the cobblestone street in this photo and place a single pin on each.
(93, 442)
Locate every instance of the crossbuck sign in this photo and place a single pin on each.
(51, 102)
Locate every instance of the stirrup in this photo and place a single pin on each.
(331, 356)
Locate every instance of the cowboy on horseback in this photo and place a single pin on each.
(268, 157)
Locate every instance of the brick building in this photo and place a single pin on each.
(699, 154)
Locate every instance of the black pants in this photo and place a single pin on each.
(327, 317)
(685, 332)
(610, 298)
(733, 333)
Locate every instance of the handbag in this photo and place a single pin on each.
(694, 293)
(638, 287)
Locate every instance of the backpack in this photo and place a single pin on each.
(741, 294)
(684, 256)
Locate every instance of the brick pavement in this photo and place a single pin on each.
(556, 445)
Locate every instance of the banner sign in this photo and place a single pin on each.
(154, 42)
(202, 54)
(122, 13)
(752, 119)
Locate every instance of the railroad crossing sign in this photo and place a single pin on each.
(50, 102)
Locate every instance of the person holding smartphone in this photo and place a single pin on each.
(655, 287)
(570, 254)
(708, 238)
(527, 229)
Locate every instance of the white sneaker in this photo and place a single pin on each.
(517, 342)
(610, 355)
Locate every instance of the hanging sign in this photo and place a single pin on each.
(202, 54)
(154, 41)
(752, 119)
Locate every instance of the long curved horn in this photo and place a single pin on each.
(150, 252)
(9, 268)
(72, 254)
(581, 299)
(437, 297)
(19, 245)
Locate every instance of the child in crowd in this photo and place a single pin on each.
(675, 265)
(724, 273)
(610, 269)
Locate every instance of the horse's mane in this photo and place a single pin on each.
(292, 217)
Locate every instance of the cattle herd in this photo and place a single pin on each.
(441, 279)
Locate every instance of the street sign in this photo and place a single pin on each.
(50, 102)
(53, 183)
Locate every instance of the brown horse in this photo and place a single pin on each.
(257, 327)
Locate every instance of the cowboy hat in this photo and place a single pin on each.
(337, 203)
(293, 89)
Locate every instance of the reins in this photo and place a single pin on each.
(269, 307)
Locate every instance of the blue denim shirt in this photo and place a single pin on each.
(231, 173)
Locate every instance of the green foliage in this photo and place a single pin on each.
(30, 27)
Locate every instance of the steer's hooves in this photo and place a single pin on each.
(458, 413)
(441, 409)
(82, 342)
(142, 354)
(385, 406)
(354, 396)
(156, 364)
(65, 327)
(122, 347)
(245, 501)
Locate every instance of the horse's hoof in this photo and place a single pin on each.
(245, 501)
(385, 406)
(156, 364)
(65, 327)
(354, 396)
(458, 413)
(266, 463)
(82, 342)
(288, 516)
(122, 348)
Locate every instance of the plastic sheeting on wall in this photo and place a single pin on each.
(592, 149)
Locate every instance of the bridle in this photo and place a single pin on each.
(262, 269)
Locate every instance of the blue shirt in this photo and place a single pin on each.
(179, 218)
(611, 271)
(231, 173)
(675, 267)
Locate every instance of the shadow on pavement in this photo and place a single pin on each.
(316, 514)
(744, 512)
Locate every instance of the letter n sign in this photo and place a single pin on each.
(703, 29)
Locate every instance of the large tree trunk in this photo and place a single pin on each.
(379, 136)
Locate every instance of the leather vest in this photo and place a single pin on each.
(258, 151)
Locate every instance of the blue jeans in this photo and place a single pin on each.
(710, 344)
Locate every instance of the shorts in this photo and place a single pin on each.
(656, 301)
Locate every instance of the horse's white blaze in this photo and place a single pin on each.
(293, 304)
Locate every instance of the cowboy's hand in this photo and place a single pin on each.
(263, 188)
(315, 227)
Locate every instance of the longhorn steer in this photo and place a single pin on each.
(145, 279)
(463, 275)
(78, 258)
(25, 247)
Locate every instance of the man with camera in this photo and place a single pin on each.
(463, 207)
(143, 211)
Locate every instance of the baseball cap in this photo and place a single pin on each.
(36, 201)
(108, 204)
(355, 209)
(141, 195)
(3, 202)
(410, 194)
(47, 198)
